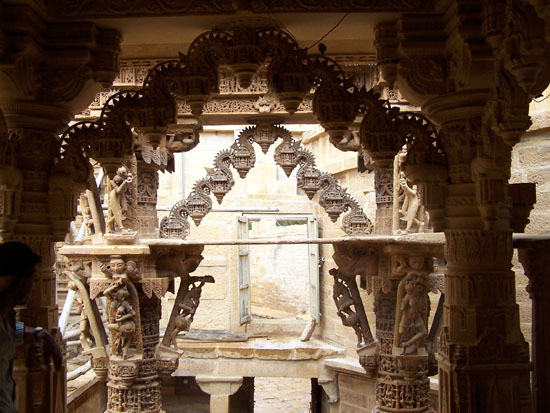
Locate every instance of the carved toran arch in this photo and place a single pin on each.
(193, 78)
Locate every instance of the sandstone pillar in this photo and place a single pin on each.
(383, 185)
(49, 73)
(534, 257)
(219, 389)
(483, 357)
(148, 181)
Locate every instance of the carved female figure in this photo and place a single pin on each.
(414, 312)
(117, 202)
(121, 319)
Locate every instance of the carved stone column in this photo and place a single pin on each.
(147, 382)
(402, 329)
(383, 185)
(398, 273)
(534, 257)
(483, 357)
(49, 72)
(147, 187)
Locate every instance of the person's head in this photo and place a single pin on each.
(17, 264)
(117, 264)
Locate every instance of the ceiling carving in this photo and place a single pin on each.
(133, 8)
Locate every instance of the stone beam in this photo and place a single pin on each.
(219, 389)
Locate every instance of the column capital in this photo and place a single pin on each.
(219, 386)
(50, 71)
(533, 255)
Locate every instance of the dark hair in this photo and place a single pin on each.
(18, 259)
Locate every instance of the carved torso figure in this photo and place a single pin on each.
(414, 313)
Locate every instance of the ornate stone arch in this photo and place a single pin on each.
(151, 112)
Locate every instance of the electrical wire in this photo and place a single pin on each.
(541, 100)
(330, 31)
(280, 23)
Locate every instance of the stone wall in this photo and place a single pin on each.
(266, 190)
(279, 274)
(531, 163)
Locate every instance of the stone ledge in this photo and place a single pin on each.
(82, 384)
(259, 349)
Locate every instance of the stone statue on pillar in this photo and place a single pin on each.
(117, 204)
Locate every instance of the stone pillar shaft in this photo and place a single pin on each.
(147, 187)
(483, 357)
(536, 262)
(383, 184)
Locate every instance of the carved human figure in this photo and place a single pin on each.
(414, 313)
(117, 204)
(132, 271)
(186, 311)
(121, 318)
(411, 211)
(87, 219)
(343, 300)
(118, 268)
(86, 337)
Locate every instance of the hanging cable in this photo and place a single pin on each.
(540, 96)
(280, 23)
(330, 31)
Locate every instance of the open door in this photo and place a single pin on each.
(244, 272)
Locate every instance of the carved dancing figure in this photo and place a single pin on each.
(414, 312)
(117, 205)
(411, 211)
(343, 300)
(121, 318)
(186, 311)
